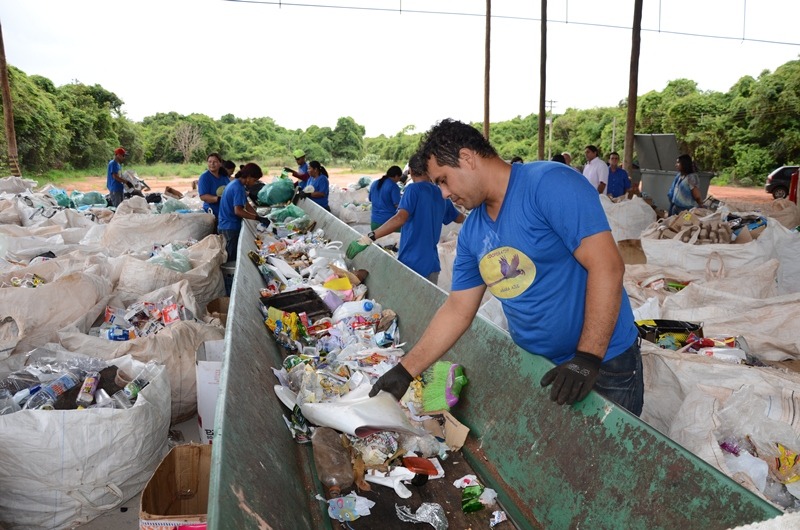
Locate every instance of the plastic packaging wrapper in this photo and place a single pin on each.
(428, 512)
(172, 260)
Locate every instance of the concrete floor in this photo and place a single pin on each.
(126, 517)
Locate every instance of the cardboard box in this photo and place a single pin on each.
(208, 365)
(172, 193)
(176, 496)
(218, 308)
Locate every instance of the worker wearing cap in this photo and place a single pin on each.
(302, 166)
(114, 181)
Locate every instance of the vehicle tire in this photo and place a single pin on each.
(780, 193)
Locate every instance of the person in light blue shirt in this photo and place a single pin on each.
(233, 207)
(384, 194)
(114, 181)
(548, 258)
(684, 194)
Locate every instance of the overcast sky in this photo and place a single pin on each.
(386, 68)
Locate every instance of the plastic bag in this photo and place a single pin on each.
(282, 214)
(363, 182)
(172, 260)
(173, 205)
(281, 190)
(90, 198)
(61, 197)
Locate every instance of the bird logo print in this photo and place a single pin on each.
(507, 272)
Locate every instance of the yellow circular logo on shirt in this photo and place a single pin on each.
(220, 190)
(507, 272)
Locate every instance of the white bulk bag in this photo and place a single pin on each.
(62, 468)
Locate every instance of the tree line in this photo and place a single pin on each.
(740, 134)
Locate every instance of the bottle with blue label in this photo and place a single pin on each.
(47, 395)
(369, 309)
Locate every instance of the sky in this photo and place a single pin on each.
(388, 64)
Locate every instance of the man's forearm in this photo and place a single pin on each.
(603, 299)
(448, 324)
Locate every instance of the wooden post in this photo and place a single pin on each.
(487, 53)
(633, 87)
(8, 112)
(542, 79)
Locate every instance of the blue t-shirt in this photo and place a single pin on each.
(111, 183)
(526, 260)
(427, 212)
(384, 200)
(208, 184)
(618, 182)
(320, 184)
(234, 195)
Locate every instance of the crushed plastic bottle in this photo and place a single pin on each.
(332, 460)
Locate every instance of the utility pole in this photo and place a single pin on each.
(8, 113)
(487, 52)
(542, 77)
(550, 102)
(614, 134)
(633, 86)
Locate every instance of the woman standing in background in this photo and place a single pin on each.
(384, 194)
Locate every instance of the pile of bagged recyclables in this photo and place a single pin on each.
(338, 342)
(101, 313)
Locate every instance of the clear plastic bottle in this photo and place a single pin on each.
(144, 377)
(332, 460)
(48, 394)
(365, 308)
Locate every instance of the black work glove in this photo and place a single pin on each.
(395, 381)
(263, 220)
(573, 379)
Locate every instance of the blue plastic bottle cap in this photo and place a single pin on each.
(368, 305)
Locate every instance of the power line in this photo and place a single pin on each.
(400, 10)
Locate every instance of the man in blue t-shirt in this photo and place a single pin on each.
(550, 260)
(114, 181)
(420, 216)
(618, 180)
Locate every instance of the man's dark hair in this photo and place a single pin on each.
(445, 139)
(417, 164)
(592, 148)
(613, 153)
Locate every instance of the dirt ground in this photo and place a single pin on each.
(342, 177)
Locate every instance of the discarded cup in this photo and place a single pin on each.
(121, 400)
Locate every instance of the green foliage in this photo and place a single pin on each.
(741, 135)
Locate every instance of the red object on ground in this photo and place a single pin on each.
(793, 186)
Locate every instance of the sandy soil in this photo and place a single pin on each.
(341, 178)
